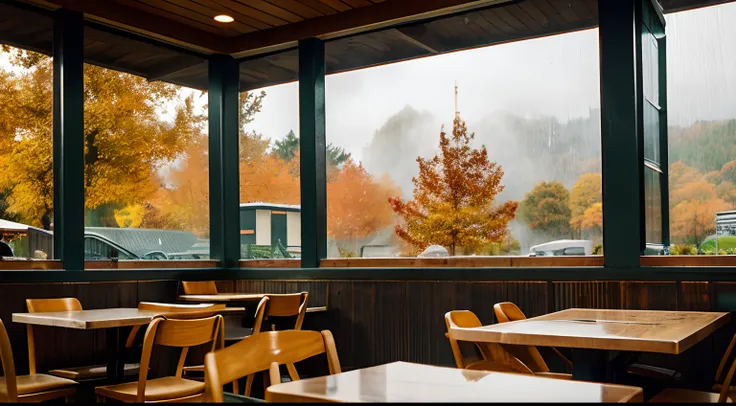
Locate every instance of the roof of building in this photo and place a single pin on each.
(141, 241)
(11, 226)
(271, 206)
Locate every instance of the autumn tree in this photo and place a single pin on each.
(586, 192)
(546, 209)
(593, 217)
(125, 138)
(357, 204)
(453, 198)
(692, 221)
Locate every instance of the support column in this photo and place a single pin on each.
(621, 154)
(68, 125)
(312, 147)
(223, 102)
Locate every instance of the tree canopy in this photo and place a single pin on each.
(546, 208)
(453, 203)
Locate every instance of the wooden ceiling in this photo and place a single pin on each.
(169, 40)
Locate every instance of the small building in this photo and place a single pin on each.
(268, 224)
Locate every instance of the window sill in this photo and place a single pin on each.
(462, 262)
(688, 260)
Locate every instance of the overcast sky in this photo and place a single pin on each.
(555, 75)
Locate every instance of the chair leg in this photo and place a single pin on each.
(236, 387)
(249, 384)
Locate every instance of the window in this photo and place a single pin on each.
(518, 170)
(26, 135)
(701, 89)
(146, 169)
(270, 212)
(656, 235)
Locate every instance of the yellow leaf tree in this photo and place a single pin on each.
(453, 203)
(586, 192)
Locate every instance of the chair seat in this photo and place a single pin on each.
(92, 372)
(685, 396)
(654, 372)
(166, 388)
(36, 383)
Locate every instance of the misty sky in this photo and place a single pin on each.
(556, 75)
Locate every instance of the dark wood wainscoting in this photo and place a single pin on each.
(58, 347)
(376, 322)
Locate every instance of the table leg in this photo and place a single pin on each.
(115, 354)
(589, 365)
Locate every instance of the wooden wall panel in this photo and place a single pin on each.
(694, 296)
(586, 294)
(649, 295)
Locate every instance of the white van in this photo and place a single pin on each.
(562, 247)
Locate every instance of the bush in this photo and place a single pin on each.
(598, 249)
(683, 249)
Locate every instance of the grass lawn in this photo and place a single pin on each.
(723, 243)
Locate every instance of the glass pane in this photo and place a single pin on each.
(653, 206)
(146, 168)
(701, 88)
(651, 133)
(270, 212)
(517, 173)
(26, 154)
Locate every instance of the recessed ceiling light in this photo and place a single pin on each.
(224, 18)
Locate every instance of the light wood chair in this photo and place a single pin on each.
(530, 355)
(184, 330)
(196, 372)
(265, 352)
(199, 288)
(28, 388)
(508, 311)
(479, 356)
(83, 373)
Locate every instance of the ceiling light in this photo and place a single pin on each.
(224, 18)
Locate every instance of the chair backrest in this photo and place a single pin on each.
(6, 357)
(285, 305)
(64, 304)
(726, 386)
(199, 288)
(528, 354)
(484, 356)
(265, 351)
(175, 310)
(180, 331)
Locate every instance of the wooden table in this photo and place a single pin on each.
(408, 382)
(592, 333)
(112, 320)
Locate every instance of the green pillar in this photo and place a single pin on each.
(312, 151)
(69, 138)
(223, 104)
(622, 156)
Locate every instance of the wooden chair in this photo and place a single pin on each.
(530, 355)
(266, 351)
(28, 388)
(83, 373)
(183, 331)
(199, 288)
(508, 311)
(723, 392)
(479, 356)
(196, 372)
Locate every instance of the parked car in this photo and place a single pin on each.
(562, 247)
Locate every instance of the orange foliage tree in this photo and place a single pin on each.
(453, 199)
(357, 203)
(694, 220)
(586, 192)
